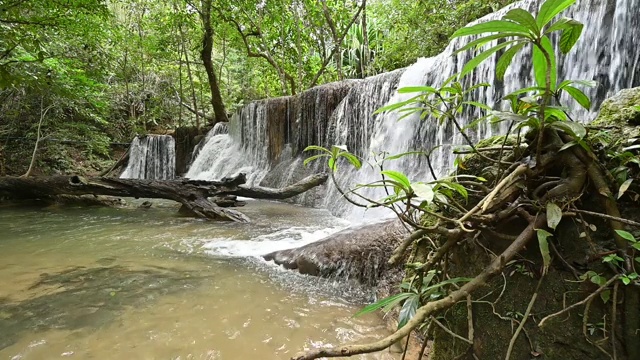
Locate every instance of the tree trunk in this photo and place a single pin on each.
(192, 194)
(188, 63)
(364, 58)
(206, 53)
(43, 113)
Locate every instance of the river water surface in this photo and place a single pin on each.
(104, 283)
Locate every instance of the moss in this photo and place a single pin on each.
(495, 141)
(474, 164)
(620, 109)
(561, 337)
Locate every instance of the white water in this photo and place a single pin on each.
(223, 154)
(263, 244)
(151, 157)
(607, 52)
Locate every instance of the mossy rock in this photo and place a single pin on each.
(473, 164)
(621, 109)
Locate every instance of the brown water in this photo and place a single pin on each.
(144, 284)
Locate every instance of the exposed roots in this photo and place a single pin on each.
(434, 307)
(561, 175)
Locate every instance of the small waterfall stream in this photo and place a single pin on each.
(151, 157)
(266, 138)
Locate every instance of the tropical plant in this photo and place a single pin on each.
(442, 211)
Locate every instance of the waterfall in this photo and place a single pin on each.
(269, 146)
(151, 157)
(265, 133)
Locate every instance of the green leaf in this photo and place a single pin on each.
(625, 185)
(491, 26)
(413, 89)
(570, 36)
(352, 159)
(398, 105)
(587, 83)
(455, 187)
(626, 235)
(605, 296)
(332, 164)
(408, 310)
(473, 63)
(480, 85)
(555, 113)
(543, 243)
(554, 215)
(540, 66)
(449, 90)
(550, 9)
(568, 145)
(398, 156)
(625, 280)
(505, 60)
(427, 279)
(523, 18)
(398, 177)
(483, 40)
(525, 90)
(314, 157)
(576, 130)
(613, 258)
(388, 302)
(561, 24)
(423, 191)
(499, 116)
(314, 147)
(578, 96)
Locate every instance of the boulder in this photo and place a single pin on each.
(621, 108)
(359, 253)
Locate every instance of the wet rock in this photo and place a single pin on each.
(359, 253)
(146, 205)
(623, 107)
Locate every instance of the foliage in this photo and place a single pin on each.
(550, 138)
(413, 29)
(115, 69)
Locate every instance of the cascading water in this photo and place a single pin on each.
(262, 133)
(605, 53)
(224, 155)
(221, 128)
(151, 157)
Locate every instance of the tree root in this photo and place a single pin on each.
(448, 331)
(588, 298)
(431, 308)
(398, 253)
(524, 320)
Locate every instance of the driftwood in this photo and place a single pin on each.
(124, 159)
(192, 194)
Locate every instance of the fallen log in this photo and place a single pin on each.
(192, 194)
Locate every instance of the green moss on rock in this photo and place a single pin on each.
(621, 109)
